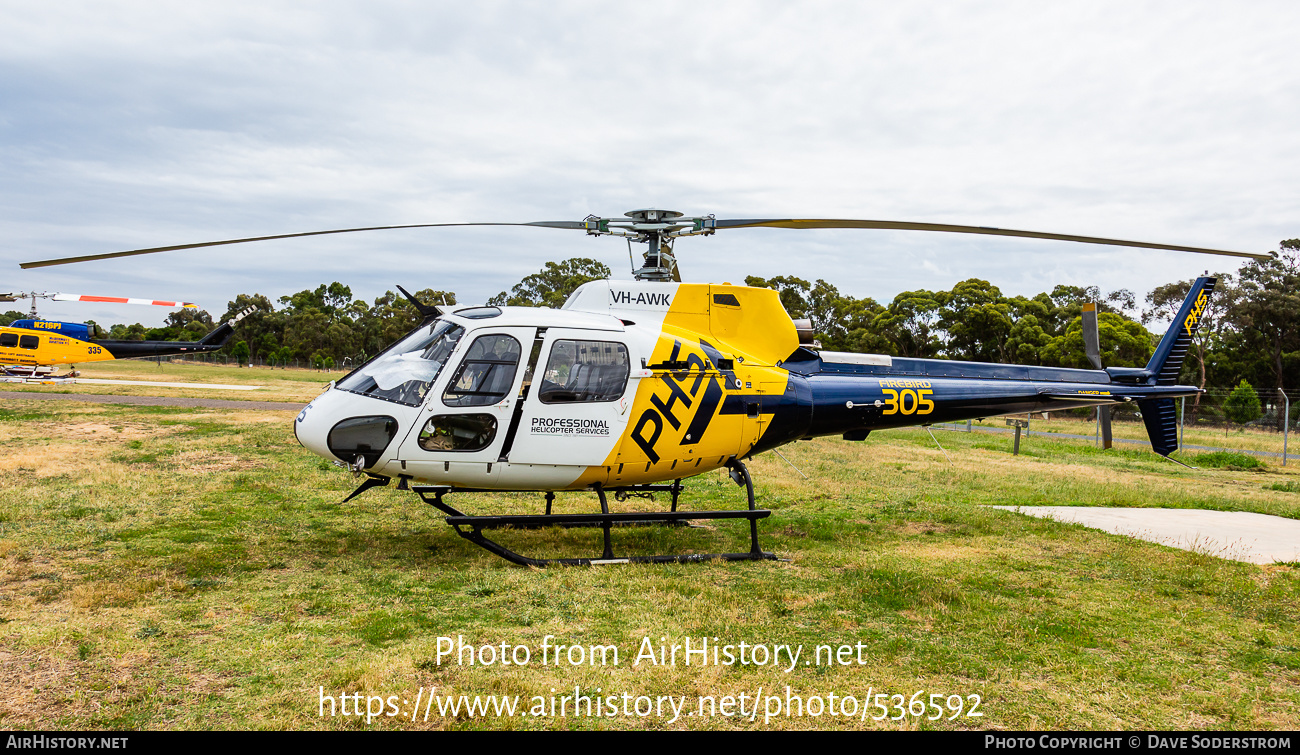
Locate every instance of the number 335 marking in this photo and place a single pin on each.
(896, 402)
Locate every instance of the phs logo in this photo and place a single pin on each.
(692, 395)
(1194, 316)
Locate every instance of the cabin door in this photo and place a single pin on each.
(577, 406)
(466, 416)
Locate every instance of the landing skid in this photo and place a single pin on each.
(472, 527)
(35, 375)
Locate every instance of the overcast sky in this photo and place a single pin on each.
(132, 124)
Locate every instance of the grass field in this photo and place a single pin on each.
(181, 568)
(1250, 439)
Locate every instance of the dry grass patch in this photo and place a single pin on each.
(101, 430)
(944, 552)
(207, 462)
(51, 459)
(72, 445)
(114, 594)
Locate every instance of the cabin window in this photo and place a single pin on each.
(405, 371)
(584, 372)
(29, 342)
(9, 339)
(478, 313)
(458, 432)
(487, 373)
(365, 436)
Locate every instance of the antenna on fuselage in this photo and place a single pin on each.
(425, 310)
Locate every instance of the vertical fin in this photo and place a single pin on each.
(1161, 420)
(1167, 361)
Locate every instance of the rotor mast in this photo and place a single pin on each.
(12, 297)
(657, 229)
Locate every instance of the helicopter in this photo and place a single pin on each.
(632, 386)
(32, 349)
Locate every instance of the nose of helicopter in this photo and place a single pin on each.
(313, 423)
(342, 426)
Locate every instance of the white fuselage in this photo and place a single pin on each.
(553, 444)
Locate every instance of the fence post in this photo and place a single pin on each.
(1182, 405)
(1286, 425)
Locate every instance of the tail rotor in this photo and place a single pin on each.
(1092, 347)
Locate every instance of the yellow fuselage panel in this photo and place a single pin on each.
(681, 422)
(758, 328)
(51, 349)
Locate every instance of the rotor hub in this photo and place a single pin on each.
(657, 229)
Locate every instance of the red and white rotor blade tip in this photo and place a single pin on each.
(124, 300)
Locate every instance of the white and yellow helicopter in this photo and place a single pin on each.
(633, 386)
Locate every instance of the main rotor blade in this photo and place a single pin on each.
(946, 228)
(124, 300)
(568, 224)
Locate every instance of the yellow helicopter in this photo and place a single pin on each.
(32, 349)
(633, 386)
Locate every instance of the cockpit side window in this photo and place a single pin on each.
(584, 371)
(487, 373)
(405, 371)
(458, 432)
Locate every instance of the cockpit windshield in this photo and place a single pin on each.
(407, 369)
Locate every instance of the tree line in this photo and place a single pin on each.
(1250, 330)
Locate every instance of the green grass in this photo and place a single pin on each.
(1228, 460)
(1254, 438)
(195, 569)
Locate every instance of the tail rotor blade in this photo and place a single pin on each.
(1091, 336)
(1092, 348)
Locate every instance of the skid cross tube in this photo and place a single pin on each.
(471, 527)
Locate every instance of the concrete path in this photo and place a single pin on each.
(1235, 535)
(155, 383)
